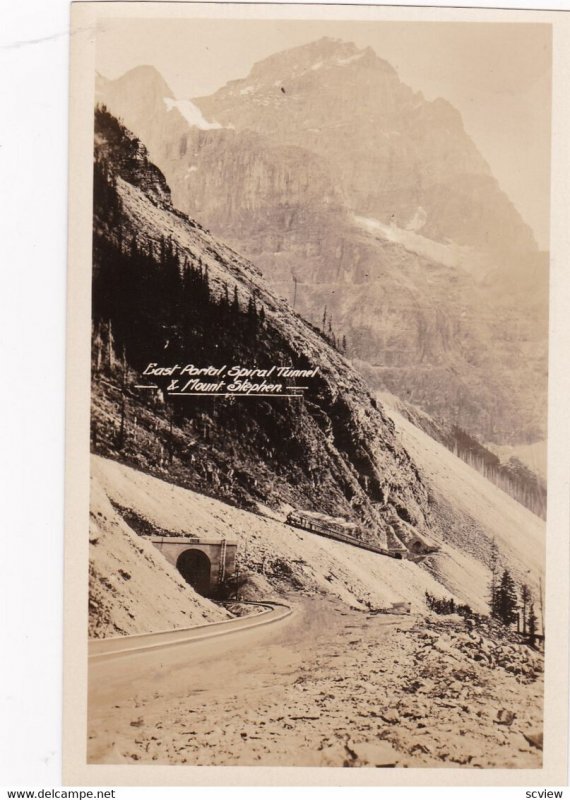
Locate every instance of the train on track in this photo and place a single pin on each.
(416, 546)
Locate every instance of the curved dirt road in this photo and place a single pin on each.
(327, 686)
(121, 646)
(234, 686)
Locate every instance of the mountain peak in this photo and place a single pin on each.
(322, 53)
(147, 78)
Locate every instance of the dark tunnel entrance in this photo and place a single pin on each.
(195, 567)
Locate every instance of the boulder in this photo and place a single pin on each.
(535, 739)
(390, 715)
(505, 717)
(374, 754)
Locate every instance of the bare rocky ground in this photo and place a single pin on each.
(331, 686)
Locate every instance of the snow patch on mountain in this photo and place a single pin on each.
(448, 254)
(418, 221)
(350, 59)
(191, 114)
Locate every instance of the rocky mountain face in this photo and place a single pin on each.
(372, 212)
(399, 158)
(161, 293)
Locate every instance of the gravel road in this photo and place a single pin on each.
(327, 686)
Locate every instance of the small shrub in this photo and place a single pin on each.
(447, 605)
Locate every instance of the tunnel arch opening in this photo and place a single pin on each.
(195, 567)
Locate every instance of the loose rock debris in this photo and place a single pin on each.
(424, 692)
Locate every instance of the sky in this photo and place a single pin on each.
(498, 75)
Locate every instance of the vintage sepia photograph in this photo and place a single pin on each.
(318, 304)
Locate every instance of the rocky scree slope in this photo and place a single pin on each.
(346, 690)
(520, 472)
(132, 588)
(474, 513)
(275, 559)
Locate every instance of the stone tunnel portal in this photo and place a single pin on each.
(195, 567)
(204, 563)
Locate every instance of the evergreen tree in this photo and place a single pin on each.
(207, 284)
(526, 598)
(532, 620)
(235, 303)
(507, 600)
(493, 588)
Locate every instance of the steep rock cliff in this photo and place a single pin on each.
(355, 195)
(333, 450)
